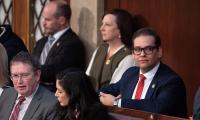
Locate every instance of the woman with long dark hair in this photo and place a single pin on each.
(78, 99)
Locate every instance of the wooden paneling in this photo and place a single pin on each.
(117, 113)
(177, 22)
(21, 23)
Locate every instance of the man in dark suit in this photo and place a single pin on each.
(38, 102)
(66, 50)
(161, 90)
(196, 108)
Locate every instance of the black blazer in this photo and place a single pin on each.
(67, 52)
(12, 43)
(165, 95)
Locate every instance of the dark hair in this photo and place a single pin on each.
(148, 31)
(81, 92)
(63, 9)
(25, 57)
(124, 21)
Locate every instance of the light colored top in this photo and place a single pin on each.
(125, 63)
(24, 105)
(1, 90)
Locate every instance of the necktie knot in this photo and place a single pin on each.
(142, 77)
(21, 99)
(51, 39)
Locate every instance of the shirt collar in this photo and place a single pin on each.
(30, 96)
(152, 72)
(60, 33)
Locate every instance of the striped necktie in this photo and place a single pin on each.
(46, 49)
(16, 109)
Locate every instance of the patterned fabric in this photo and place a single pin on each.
(46, 49)
(16, 110)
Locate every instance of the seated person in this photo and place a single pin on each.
(151, 86)
(112, 58)
(196, 110)
(27, 100)
(78, 100)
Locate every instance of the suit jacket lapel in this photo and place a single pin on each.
(55, 47)
(132, 84)
(11, 103)
(154, 83)
(33, 105)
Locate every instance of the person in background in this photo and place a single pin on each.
(113, 56)
(196, 108)
(4, 77)
(27, 100)
(12, 43)
(61, 48)
(78, 99)
(151, 85)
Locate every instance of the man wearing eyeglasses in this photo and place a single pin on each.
(27, 100)
(151, 86)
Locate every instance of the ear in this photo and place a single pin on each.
(160, 52)
(37, 74)
(62, 20)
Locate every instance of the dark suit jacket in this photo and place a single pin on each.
(42, 107)
(12, 43)
(196, 108)
(165, 95)
(67, 52)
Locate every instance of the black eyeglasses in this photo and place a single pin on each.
(147, 50)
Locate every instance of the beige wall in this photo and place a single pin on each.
(85, 21)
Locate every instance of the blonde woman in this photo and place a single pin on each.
(3, 68)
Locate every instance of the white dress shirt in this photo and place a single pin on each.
(24, 105)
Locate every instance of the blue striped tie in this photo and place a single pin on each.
(46, 49)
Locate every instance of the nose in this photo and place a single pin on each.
(19, 79)
(101, 27)
(56, 93)
(142, 53)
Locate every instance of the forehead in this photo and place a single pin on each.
(20, 66)
(144, 40)
(109, 18)
(49, 10)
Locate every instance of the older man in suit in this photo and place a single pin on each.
(61, 48)
(151, 86)
(27, 100)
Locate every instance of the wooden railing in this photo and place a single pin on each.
(130, 114)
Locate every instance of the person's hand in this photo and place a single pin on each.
(190, 118)
(108, 99)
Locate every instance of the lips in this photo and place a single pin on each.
(21, 87)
